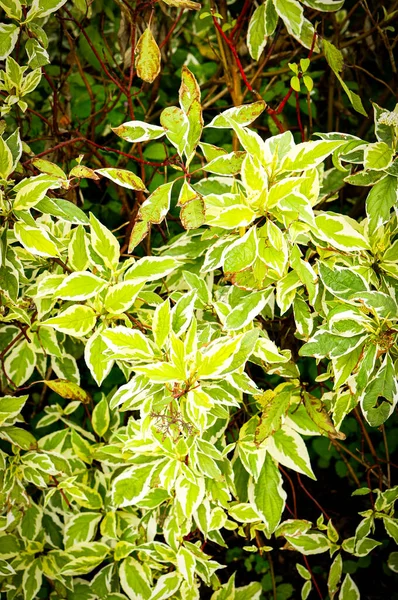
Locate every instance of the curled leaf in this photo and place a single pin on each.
(317, 413)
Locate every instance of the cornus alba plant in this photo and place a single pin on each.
(192, 447)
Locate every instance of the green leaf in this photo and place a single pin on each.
(242, 115)
(218, 357)
(43, 8)
(349, 590)
(226, 164)
(393, 561)
(20, 362)
(288, 448)
(275, 406)
(334, 577)
(246, 310)
(6, 160)
(341, 232)
(63, 210)
(121, 296)
(157, 205)
(101, 417)
(192, 214)
(130, 344)
(33, 189)
(336, 62)
(32, 580)
(35, 240)
(31, 522)
(189, 96)
(147, 57)
(138, 131)
(131, 485)
(84, 557)
(104, 243)
(134, 579)
(124, 178)
(6, 570)
(380, 396)
(308, 155)
(80, 286)
(81, 528)
(77, 249)
(151, 268)
(244, 513)
(166, 586)
(161, 324)
(12, 8)
(189, 494)
(8, 38)
(257, 32)
(10, 546)
(232, 217)
(291, 13)
(184, 4)
(341, 281)
(15, 145)
(18, 437)
(76, 320)
(324, 5)
(242, 253)
(182, 313)
(309, 543)
(267, 494)
(96, 359)
(175, 122)
(83, 495)
(37, 55)
(383, 304)
(381, 199)
(295, 83)
(10, 407)
(378, 156)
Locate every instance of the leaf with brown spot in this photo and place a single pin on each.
(192, 214)
(147, 60)
(81, 171)
(68, 389)
(124, 178)
(140, 231)
(317, 413)
(184, 4)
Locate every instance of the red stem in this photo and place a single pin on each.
(312, 497)
(238, 25)
(168, 36)
(314, 581)
(300, 124)
(104, 148)
(231, 46)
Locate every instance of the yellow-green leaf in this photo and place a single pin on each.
(147, 61)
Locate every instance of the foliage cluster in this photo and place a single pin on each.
(198, 302)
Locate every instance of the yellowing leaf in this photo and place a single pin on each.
(68, 389)
(183, 4)
(317, 413)
(147, 61)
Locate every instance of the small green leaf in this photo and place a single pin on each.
(101, 417)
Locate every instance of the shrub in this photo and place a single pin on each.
(169, 397)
